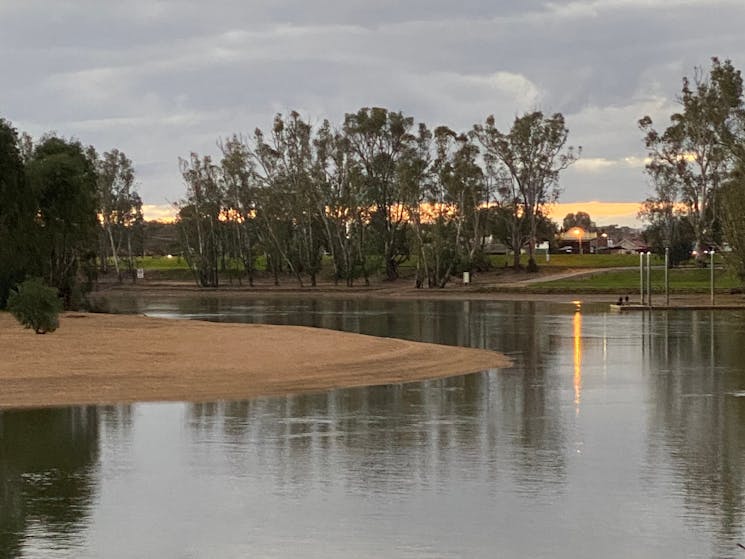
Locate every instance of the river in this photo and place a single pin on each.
(612, 435)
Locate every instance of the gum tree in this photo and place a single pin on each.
(533, 153)
(690, 155)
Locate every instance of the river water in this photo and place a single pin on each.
(613, 435)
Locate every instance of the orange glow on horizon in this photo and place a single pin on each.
(602, 213)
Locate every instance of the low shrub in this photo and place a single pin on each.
(35, 305)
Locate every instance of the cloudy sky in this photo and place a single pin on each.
(160, 78)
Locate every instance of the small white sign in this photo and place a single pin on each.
(140, 273)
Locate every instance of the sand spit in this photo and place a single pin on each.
(101, 359)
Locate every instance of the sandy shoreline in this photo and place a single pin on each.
(99, 358)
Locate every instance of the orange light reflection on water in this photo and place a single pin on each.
(577, 324)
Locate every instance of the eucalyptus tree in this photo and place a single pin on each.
(379, 140)
(63, 179)
(199, 218)
(288, 195)
(239, 189)
(691, 155)
(733, 219)
(469, 193)
(427, 208)
(341, 204)
(17, 211)
(533, 153)
(119, 208)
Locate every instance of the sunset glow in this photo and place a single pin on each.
(602, 213)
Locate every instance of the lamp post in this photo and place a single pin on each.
(649, 278)
(711, 278)
(667, 279)
(578, 232)
(641, 277)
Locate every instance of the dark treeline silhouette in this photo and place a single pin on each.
(65, 212)
(371, 193)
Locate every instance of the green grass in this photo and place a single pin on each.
(162, 263)
(576, 260)
(680, 280)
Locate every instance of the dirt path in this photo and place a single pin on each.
(98, 358)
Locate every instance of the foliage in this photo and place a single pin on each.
(688, 160)
(119, 208)
(580, 219)
(16, 212)
(533, 154)
(733, 219)
(675, 234)
(63, 179)
(35, 305)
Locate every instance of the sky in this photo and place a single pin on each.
(159, 79)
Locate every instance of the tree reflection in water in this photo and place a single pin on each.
(48, 461)
(697, 376)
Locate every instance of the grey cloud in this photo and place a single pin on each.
(161, 78)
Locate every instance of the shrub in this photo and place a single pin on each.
(36, 306)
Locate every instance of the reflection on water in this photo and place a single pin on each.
(577, 324)
(48, 462)
(612, 436)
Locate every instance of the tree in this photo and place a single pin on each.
(533, 153)
(690, 155)
(452, 196)
(63, 179)
(119, 208)
(240, 198)
(580, 219)
(341, 204)
(199, 218)
(733, 220)
(379, 140)
(17, 205)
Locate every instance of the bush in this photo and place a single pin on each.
(36, 306)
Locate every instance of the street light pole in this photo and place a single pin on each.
(649, 278)
(667, 278)
(641, 277)
(712, 277)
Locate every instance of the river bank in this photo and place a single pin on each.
(102, 359)
(479, 290)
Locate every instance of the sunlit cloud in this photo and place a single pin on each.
(159, 212)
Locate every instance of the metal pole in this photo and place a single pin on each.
(667, 278)
(712, 278)
(641, 277)
(649, 279)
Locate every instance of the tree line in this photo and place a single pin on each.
(66, 212)
(364, 195)
(370, 193)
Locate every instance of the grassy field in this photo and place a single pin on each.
(578, 261)
(686, 279)
(681, 280)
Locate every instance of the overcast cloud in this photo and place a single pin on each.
(158, 79)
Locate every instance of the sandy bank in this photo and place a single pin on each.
(98, 358)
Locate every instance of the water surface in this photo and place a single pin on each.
(611, 436)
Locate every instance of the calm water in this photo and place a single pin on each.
(612, 436)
